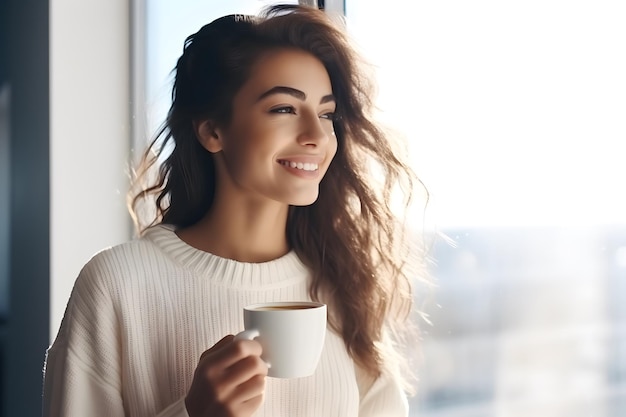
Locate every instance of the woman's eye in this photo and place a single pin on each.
(284, 109)
(328, 116)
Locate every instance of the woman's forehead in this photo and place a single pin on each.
(292, 68)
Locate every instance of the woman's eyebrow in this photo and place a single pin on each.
(283, 90)
(327, 99)
(300, 95)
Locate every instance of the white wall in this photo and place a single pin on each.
(90, 136)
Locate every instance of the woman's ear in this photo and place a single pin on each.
(206, 133)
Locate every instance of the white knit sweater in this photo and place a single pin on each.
(141, 313)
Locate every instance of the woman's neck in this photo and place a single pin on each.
(244, 231)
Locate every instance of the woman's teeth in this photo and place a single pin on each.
(305, 166)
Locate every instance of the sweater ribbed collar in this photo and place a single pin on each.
(281, 271)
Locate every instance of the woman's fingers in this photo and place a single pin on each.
(230, 376)
(252, 388)
(240, 362)
(225, 341)
(243, 371)
(231, 353)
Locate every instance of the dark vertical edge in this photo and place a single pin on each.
(29, 261)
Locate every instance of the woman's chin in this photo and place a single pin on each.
(304, 200)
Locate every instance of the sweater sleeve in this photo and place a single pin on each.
(83, 368)
(382, 397)
(82, 373)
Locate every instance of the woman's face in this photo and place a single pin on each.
(280, 140)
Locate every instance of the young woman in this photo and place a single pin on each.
(265, 195)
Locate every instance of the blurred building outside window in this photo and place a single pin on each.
(515, 115)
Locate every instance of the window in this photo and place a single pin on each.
(167, 25)
(515, 114)
(515, 117)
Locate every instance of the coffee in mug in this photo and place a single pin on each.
(285, 307)
(291, 333)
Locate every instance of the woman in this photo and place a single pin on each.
(264, 195)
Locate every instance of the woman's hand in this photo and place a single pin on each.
(229, 380)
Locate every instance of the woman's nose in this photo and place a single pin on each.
(313, 131)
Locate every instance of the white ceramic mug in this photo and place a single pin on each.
(291, 333)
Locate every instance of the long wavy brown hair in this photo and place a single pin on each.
(350, 238)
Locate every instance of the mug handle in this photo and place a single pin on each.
(247, 335)
(250, 335)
